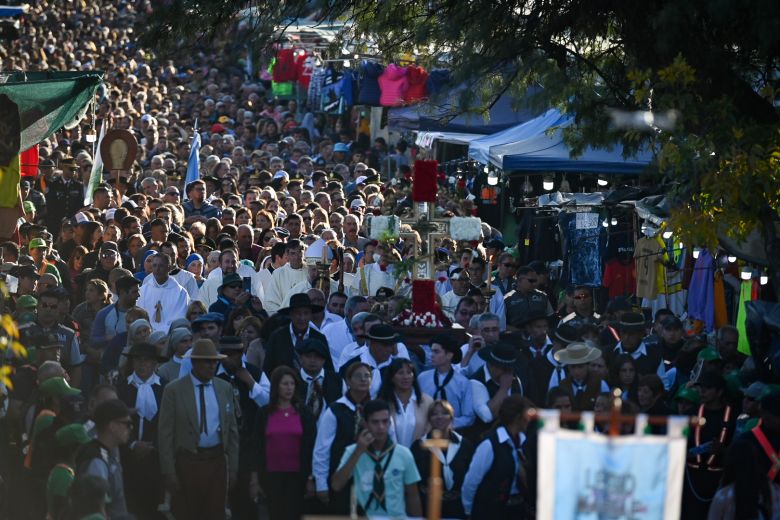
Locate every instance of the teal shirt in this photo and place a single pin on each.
(401, 472)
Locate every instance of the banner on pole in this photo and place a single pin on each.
(590, 476)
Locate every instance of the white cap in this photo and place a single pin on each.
(110, 213)
(357, 203)
(281, 174)
(361, 179)
(80, 217)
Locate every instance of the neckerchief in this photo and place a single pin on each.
(441, 392)
(378, 484)
(446, 459)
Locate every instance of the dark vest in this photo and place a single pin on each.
(248, 407)
(494, 490)
(583, 400)
(345, 433)
(128, 393)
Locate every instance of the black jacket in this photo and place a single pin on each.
(280, 350)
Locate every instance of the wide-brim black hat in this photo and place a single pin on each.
(566, 334)
(313, 345)
(632, 321)
(144, 350)
(502, 354)
(533, 316)
(301, 301)
(382, 332)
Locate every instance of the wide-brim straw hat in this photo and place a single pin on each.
(577, 354)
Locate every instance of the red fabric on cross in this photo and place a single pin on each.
(424, 186)
(423, 296)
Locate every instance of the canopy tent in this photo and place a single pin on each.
(538, 146)
(12, 10)
(444, 114)
(426, 139)
(480, 149)
(48, 101)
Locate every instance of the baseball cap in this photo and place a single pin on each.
(57, 387)
(26, 302)
(36, 243)
(72, 434)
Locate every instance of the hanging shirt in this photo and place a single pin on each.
(647, 254)
(619, 278)
(701, 298)
(745, 295)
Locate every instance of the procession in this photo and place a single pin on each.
(360, 260)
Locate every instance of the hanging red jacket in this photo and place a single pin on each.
(284, 69)
(418, 80)
(304, 66)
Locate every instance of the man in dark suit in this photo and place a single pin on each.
(142, 391)
(67, 190)
(321, 386)
(281, 348)
(252, 389)
(199, 451)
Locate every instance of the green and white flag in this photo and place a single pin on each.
(96, 174)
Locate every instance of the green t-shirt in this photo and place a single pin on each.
(401, 472)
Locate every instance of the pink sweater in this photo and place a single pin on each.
(394, 84)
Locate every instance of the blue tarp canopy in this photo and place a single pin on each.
(12, 10)
(444, 114)
(537, 145)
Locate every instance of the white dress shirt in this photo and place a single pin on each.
(338, 335)
(405, 420)
(212, 438)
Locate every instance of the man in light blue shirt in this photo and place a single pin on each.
(384, 473)
(444, 382)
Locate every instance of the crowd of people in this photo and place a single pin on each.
(227, 346)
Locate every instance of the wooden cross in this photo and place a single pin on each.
(430, 230)
(435, 483)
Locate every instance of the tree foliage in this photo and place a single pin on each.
(714, 62)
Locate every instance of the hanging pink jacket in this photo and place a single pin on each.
(394, 84)
(418, 78)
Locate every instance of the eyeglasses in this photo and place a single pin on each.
(109, 254)
(582, 297)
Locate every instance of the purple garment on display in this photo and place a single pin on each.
(701, 293)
